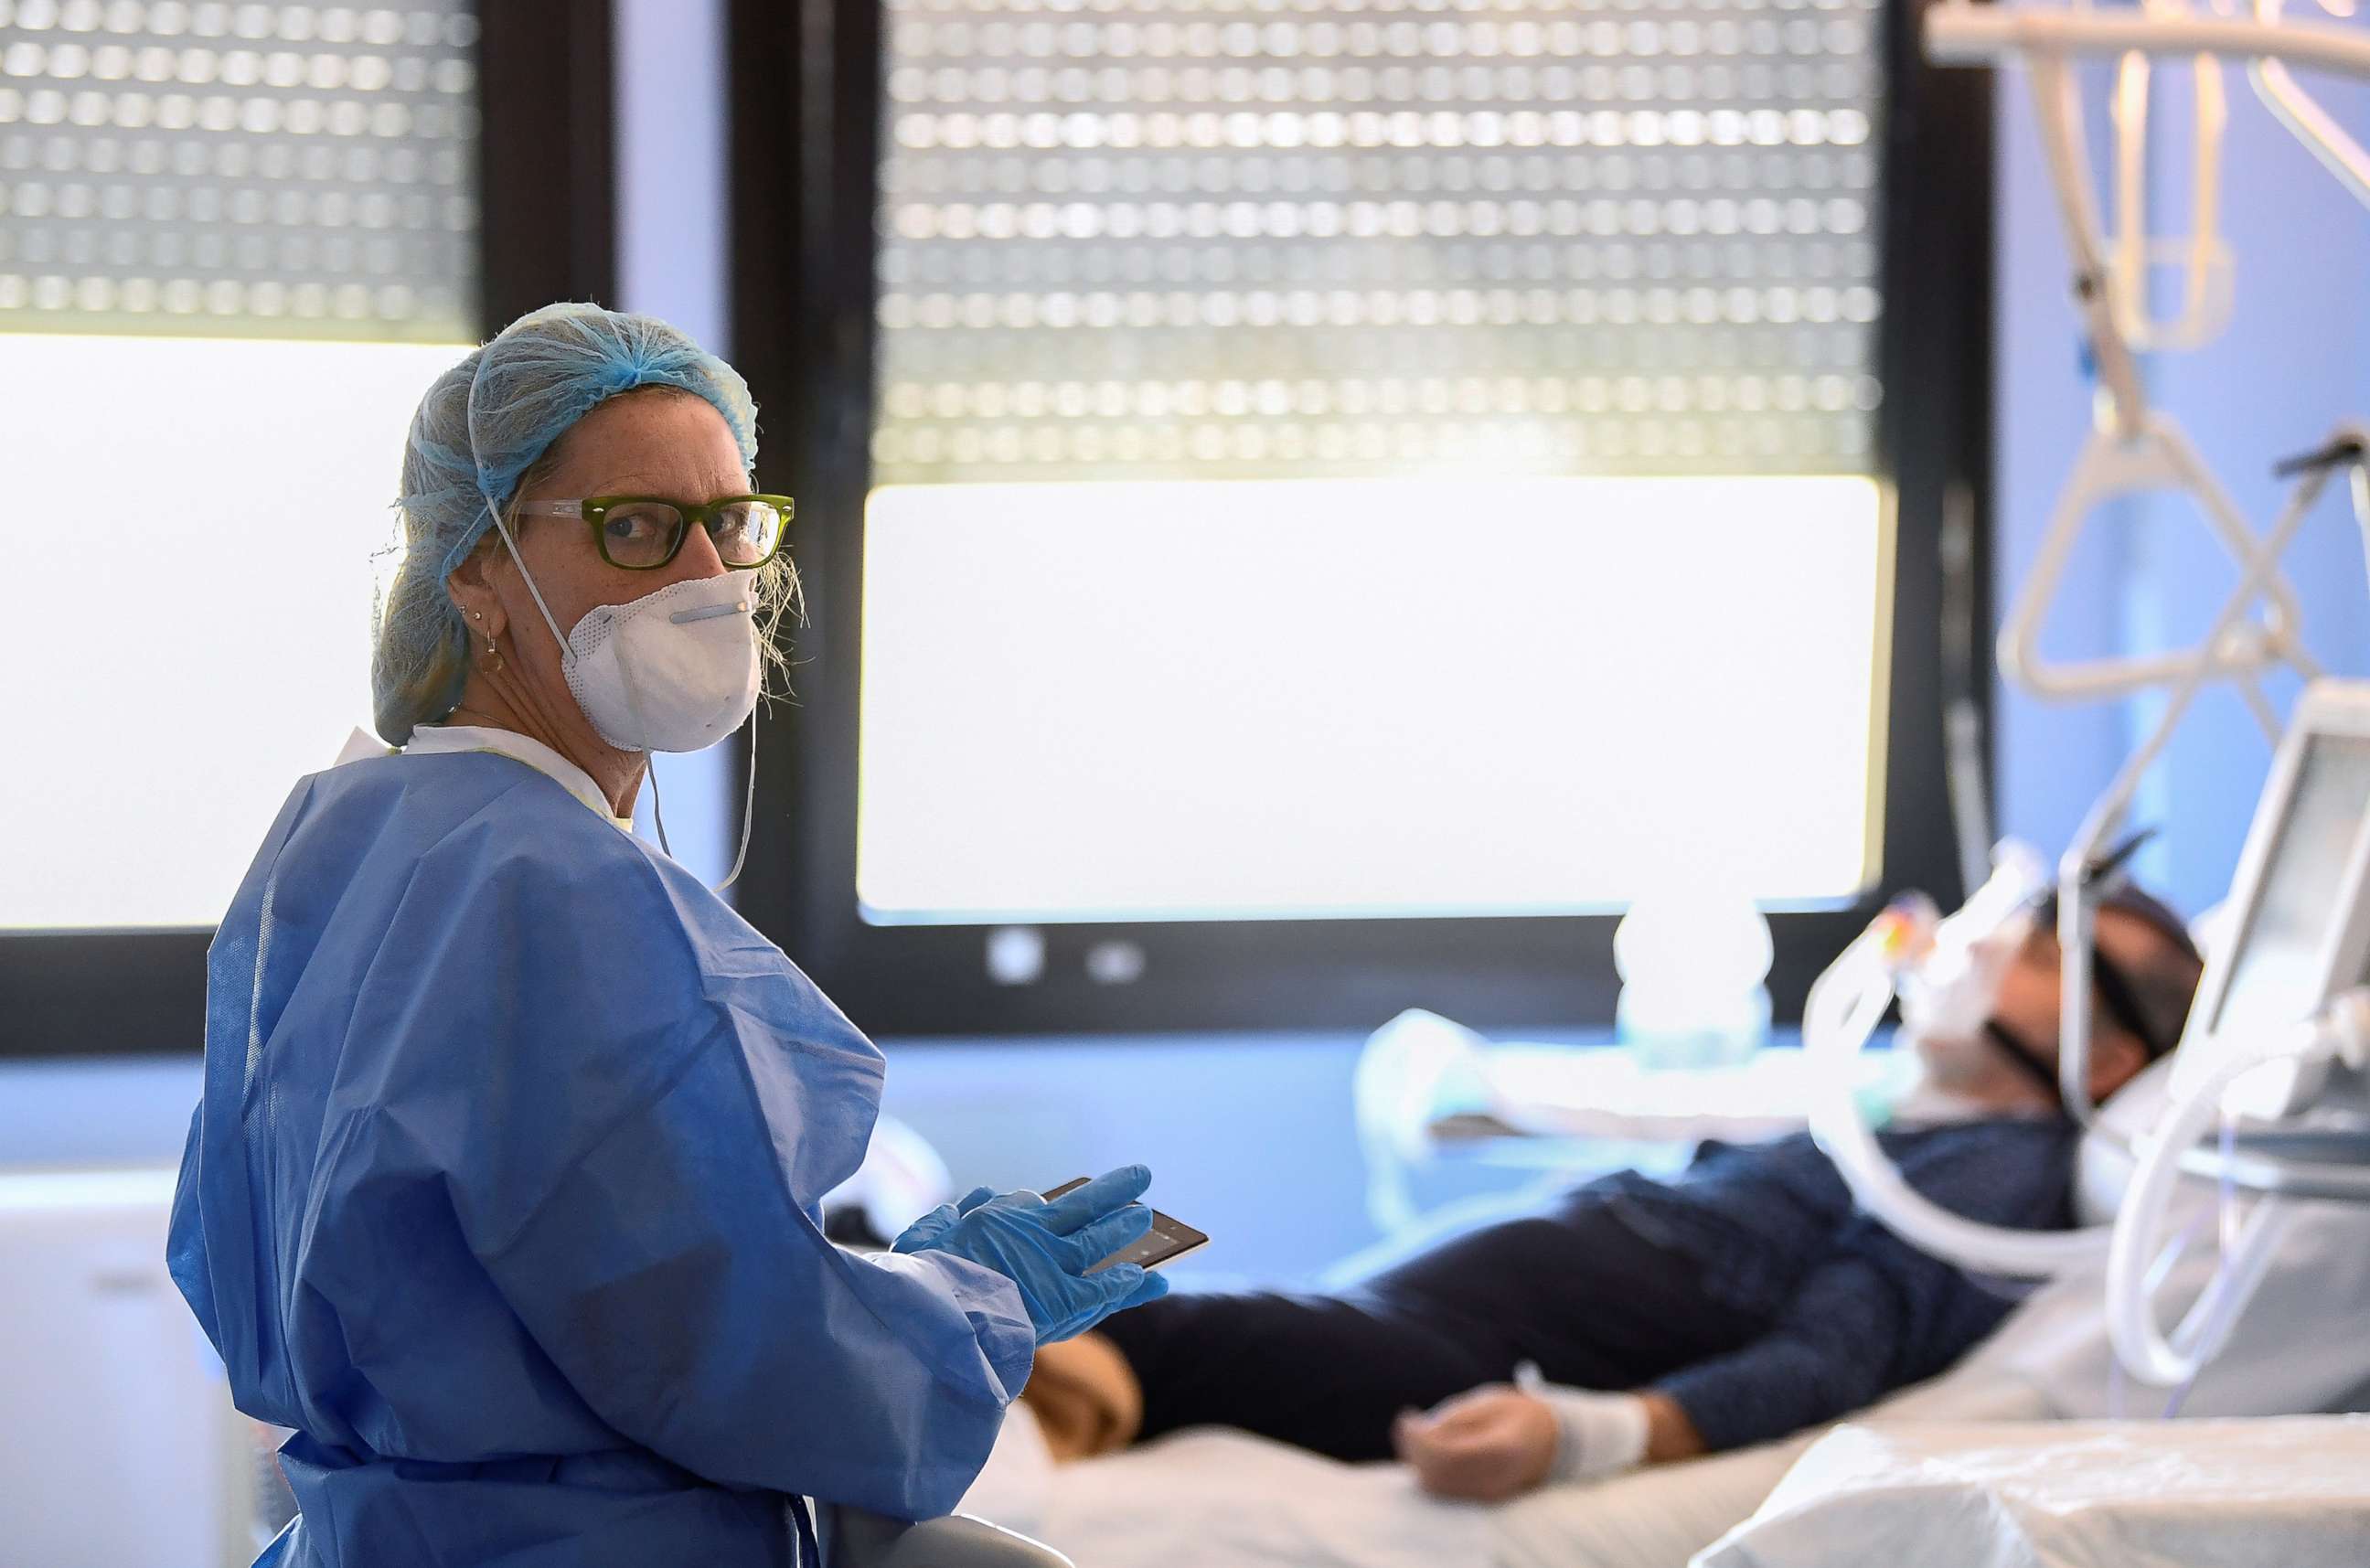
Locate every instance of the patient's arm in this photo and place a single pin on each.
(1486, 1444)
(1875, 1314)
(1670, 1434)
(1832, 1351)
(1498, 1442)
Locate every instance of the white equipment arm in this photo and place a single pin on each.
(2077, 938)
(2296, 109)
(1961, 34)
(2155, 454)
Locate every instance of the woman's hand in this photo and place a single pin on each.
(1487, 1444)
(1046, 1249)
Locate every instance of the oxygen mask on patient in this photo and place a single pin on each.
(1948, 973)
(1979, 998)
(1949, 993)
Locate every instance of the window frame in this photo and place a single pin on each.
(807, 91)
(546, 231)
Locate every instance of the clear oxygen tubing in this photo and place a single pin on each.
(1844, 1006)
(2141, 1344)
(2230, 1232)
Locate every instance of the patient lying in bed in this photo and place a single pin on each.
(1743, 1301)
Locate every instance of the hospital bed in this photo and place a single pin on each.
(2283, 996)
(1215, 1497)
(2296, 1345)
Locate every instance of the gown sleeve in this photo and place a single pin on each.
(679, 1283)
(637, 1104)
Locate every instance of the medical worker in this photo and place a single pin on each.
(503, 1192)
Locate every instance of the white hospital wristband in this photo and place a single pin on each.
(1596, 1435)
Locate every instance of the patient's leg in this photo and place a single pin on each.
(1085, 1397)
(1574, 1290)
(1325, 1373)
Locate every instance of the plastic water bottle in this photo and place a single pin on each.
(1693, 963)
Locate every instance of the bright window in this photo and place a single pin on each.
(1374, 460)
(237, 244)
(191, 528)
(1313, 698)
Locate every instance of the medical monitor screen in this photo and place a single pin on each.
(1352, 461)
(2274, 973)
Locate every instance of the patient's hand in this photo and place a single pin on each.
(1489, 1445)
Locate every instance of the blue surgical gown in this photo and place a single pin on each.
(503, 1193)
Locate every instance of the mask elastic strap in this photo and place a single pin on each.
(2028, 1060)
(2118, 996)
(519, 560)
(567, 656)
(470, 412)
(2115, 999)
(2118, 1001)
(633, 700)
(748, 811)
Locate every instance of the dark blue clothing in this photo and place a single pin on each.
(1749, 1290)
(1852, 1310)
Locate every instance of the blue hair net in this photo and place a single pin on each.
(479, 429)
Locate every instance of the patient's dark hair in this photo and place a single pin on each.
(2163, 986)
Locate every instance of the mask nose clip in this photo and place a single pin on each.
(709, 612)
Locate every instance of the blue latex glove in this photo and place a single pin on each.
(1046, 1248)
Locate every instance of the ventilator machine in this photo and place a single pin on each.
(2266, 1102)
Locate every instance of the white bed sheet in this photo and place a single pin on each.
(1220, 1499)
(1215, 1497)
(2291, 1493)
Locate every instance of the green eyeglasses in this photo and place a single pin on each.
(643, 533)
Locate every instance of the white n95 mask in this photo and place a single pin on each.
(673, 671)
